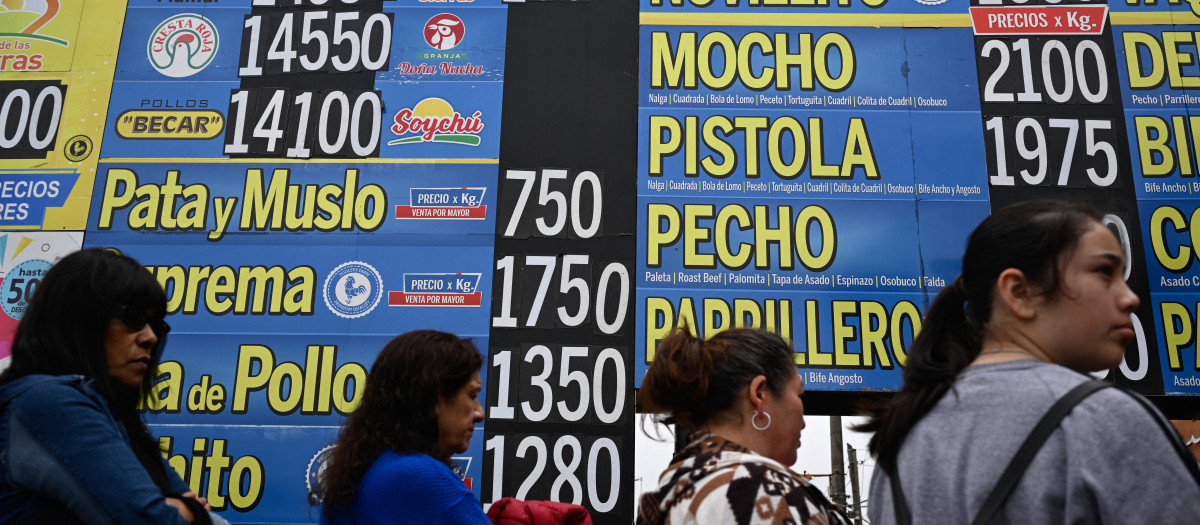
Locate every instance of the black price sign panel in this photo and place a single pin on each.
(1051, 107)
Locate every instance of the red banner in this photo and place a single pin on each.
(1039, 20)
(404, 211)
(434, 299)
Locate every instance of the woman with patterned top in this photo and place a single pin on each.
(741, 392)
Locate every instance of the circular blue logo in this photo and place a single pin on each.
(353, 289)
(316, 467)
(19, 284)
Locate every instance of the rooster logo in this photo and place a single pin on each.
(444, 31)
(353, 289)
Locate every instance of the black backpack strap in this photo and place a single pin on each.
(1016, 468)
(1029, 449)
(899, 504)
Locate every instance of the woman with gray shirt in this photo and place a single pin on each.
(1041, 300)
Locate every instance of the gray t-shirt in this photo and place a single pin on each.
(1108, 462)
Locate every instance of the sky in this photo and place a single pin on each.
(813, 457)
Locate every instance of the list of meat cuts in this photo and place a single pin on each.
(813, 167)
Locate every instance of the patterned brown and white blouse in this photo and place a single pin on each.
(714, 480)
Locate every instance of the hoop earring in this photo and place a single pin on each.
(754, 421)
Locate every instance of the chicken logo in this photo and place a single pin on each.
(182, 45)
(444, 31)
(353, 289)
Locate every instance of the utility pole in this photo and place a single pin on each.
(837, 481)
(854, 491)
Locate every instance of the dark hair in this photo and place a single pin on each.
(62, 331)
(398, 409)
(693, 380)
(1032, 237)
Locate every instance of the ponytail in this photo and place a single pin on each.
(677, 382)
(1029, 236)
(948, 342)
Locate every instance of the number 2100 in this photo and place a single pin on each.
(1072, 71)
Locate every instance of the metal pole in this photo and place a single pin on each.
(854, 491)
(837, 481)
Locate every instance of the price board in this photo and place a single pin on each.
(566, 183)
(814, 168)
(306, 178)
(560, 405)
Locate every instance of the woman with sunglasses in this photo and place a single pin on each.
(72, 446)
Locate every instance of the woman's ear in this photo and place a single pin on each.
(1017, 294)
(756, 392)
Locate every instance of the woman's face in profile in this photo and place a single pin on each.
(787, 421)
(457, 416)
(128, 351)
(1086, 325)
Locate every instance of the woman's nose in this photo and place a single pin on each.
(1130, 300)
(147, 335)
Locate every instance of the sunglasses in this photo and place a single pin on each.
(136, 319)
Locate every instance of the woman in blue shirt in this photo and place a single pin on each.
(72, 446)
(392, 460)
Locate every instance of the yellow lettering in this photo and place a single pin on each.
(221, 284)
(257, 203)
(1135, 44)
(164, 394)
(716, 316)
(874, 330)
(678, 70)
(842, 333)
(719, 147)
(822, 259)
(245, 381)
(1152, 138)
(117, 195)
(250, 469)
(812, 320)
(1176, 59)
(858, 152)
(733, 213)
(724, 139)
(692, 214)
(661, 146)
(775, 140)
(1159, 220)
(663, 225)
(690, 61)
(1177, 332)
(765, 235)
